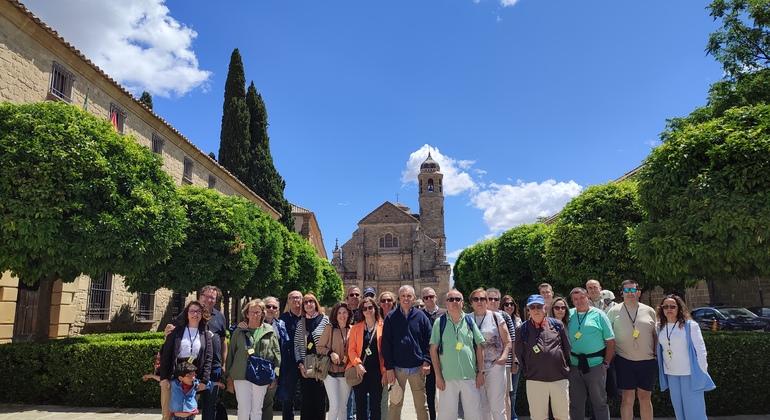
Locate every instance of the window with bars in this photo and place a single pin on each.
(99, 298)
(157, 143)
(187, 172)
(212, 181)
(146, 307)
(117, 117)
(62, 81)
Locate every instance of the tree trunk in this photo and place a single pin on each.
(43, 326)
(226, 306)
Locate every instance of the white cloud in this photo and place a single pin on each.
(454, 254)
(506, 206)
(456, 180)
(506, 3)
(653, 143)
(136, 42)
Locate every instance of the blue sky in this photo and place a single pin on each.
(524, 103)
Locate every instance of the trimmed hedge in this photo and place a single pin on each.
(105, 370)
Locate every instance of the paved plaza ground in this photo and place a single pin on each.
(29, 412)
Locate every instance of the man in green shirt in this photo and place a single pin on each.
(459, 366)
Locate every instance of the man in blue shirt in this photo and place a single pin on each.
(406, 352)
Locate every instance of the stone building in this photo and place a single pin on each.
(36, 64)
(306, 225)
(393, 246)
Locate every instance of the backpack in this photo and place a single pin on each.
(524, 335)
(442, 327)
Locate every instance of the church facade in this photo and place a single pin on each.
(393, 247)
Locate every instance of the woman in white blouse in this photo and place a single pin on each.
(496, 347)
(682, 359)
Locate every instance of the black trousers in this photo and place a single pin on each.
(313, 399)
(368, 395)
(430, 393)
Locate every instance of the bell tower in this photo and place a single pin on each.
(431, 187)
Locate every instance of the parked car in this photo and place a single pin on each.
(763, 313)
(733, 318)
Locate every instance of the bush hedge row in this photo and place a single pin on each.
(105, 370)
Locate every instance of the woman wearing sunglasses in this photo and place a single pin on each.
(497, 345)
(387, 303)
(682, 365)
(508, 305)
(365, 355)
(306, 340)
(560, 310)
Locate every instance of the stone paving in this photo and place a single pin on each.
(29, 412)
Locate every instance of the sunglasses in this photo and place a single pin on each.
(665, 307)
(368, 308)
(255, 312)
(309, 301)
(536, 307)
(493, 299)
(420, 306)
(386, 300)
(630, 289)
(559, 308)
(354, 295)
(273, 307)
(431, 297)
(509, 304)
(479, 299)
(454, 299)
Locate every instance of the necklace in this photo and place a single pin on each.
(368, 328)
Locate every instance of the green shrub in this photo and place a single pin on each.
(739, 364)
(105, 370)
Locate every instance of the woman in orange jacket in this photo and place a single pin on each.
(364, 353)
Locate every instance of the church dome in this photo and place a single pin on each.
(429, 165)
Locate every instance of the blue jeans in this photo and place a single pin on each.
(173, 417)
(208, 401)
(287, 386)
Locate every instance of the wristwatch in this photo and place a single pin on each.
(606, 365)
(480, 371)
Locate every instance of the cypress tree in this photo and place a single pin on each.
(234, 138)
(263, 178)
(146, 99)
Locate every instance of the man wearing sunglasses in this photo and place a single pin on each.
(544, 348)
(459, 365)
(593, 347)
(287, 380)
(433, 311)
(634, 324)
(271, 312)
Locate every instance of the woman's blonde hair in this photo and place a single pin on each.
(254, 302)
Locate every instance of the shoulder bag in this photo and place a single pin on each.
(351, 374)
(259, 371)
(316, 365)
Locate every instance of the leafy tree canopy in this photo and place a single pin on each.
(589, 238)
(519, 261)
(79, 198)
(705, 194)
(225, 240)
(742, 44)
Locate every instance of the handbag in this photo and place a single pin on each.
(316, 365)
(259, 371)
(351, 374)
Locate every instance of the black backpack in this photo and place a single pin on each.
(442, 327)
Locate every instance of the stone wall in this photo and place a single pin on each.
(28, 51)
